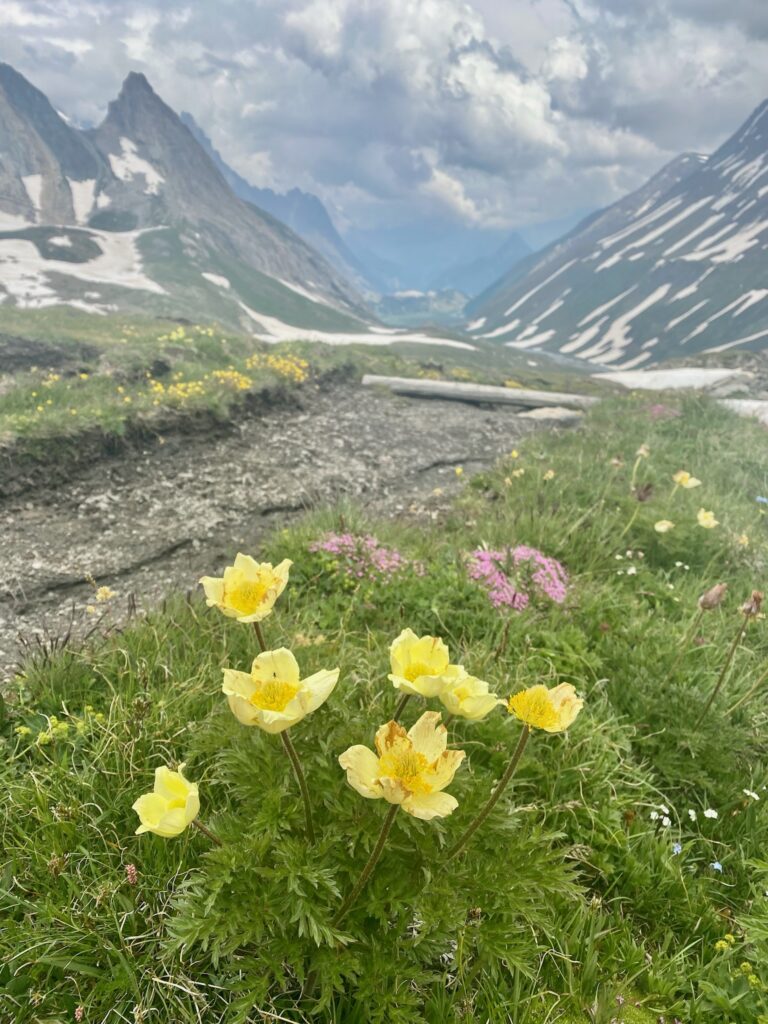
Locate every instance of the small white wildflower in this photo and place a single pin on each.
(670, 586)
(710, 813)
(663, 808)
(666, 822)
(654, 815)
(751, 794)
(619, 558)
(678, 565)
(629, 554)
(619, 572)
(692, 814)
(632, 570)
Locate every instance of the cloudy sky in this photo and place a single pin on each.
(497, 112)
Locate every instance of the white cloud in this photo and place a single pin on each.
(491, 112)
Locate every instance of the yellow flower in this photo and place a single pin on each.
(664, 526)
(272, 695)
(104, 594)
(549, 475)
(550, 710)
(514, 454)
(468, 697)
(170, 807)
(412, 768)
(706, 519)
(643, 451)
(459, 470)
(420, 664)
(684, 479)
(248, 589)
(743, 540)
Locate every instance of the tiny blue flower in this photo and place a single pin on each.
(677, 848)
(761, 500)
(717, 866)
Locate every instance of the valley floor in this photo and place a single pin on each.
(146, 523)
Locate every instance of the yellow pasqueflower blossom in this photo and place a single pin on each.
(248, 589)
(664, 526)
(468, 697)
(551, 710)
(420, 664)
(643, 451)
(518, 472)
(743, 540)
(172, 805)
(412, 768)
(684, 479)
(706, 519)
(459, 470)
(549, 475)
(272, 695)
(104, 594)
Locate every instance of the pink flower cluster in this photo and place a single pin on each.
(513, 575)
(365, 558)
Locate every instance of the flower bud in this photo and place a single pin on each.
(751, 608)
(713, 597)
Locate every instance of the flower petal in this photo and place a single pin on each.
(428, 736)
(361, 766)
(317, 688)
(430, 805)
(237, 684)
(171, 785)
(278, 664)
(214, 590)
(387, 735)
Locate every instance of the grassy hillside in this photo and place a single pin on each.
(71, 372)
(621, 877)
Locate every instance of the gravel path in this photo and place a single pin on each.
(149, 522)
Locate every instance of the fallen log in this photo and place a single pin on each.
(462, 392)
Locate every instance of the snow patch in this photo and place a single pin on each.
(82, 198)
(475, 325)
(305, 293)
(33, 185)
(533, 341)
(128, 164)
(504, 329)
(538, 288)
(220, 282)
(274, 330)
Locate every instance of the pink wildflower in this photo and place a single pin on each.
(365, 558)
(513, 576)
(131, 874)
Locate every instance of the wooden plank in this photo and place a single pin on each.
(460, 392)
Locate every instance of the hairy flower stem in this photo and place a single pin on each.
(400, 706)
(370, 865)
(724, 671)
(297, 771)
(491, 802)
(206, 831)
(259, 635)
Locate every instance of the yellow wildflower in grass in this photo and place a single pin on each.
(643, 451)
(248, 589)
(743, 540)
(172, 805)
(459, 470)
(420, 664)
(410, 769)
(104, 594)
(551, 710)
(518, 472)
(272, 695)
(468, 697)
(706, 519)
(514, 454)
(664, 526)
(549, 475)
(684, 479)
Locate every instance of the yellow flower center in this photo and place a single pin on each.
(407, 766)
(245, 596)
(274, 695)
(534, 708)
(416, 669)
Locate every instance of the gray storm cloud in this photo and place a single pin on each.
(499, 114)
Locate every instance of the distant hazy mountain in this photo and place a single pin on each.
(435, 254)
(302, 211)
(678, 267)
(135, 215)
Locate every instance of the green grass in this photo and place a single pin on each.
(569, 900)
(112, 372)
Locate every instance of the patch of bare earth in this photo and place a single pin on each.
(153, 520)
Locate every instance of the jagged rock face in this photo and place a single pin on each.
(44, 164)
(301, 211)
(142, 189)
(674, 269)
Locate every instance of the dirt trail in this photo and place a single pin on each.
(145, 523)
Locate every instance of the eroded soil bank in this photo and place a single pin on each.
(150, 520)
